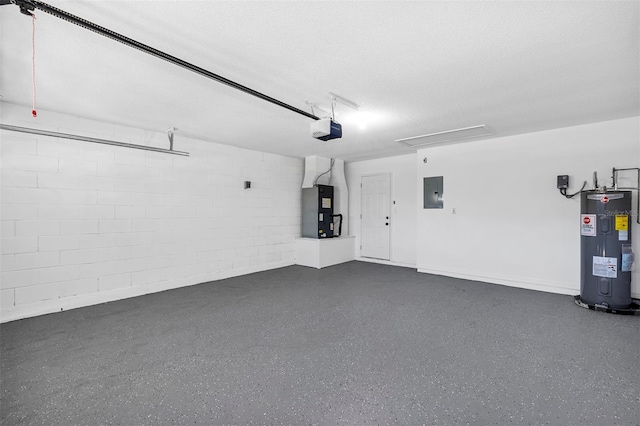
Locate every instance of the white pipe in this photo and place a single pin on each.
(88, 139)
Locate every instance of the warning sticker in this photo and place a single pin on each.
(326, 203)
(588, 225)
(606, 267)
(622, 222)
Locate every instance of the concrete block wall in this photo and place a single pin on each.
(85, 223)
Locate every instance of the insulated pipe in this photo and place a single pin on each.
(88, 139)
(30, 4)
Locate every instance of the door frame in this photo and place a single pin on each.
(390, 174)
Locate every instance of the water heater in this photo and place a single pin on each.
(605, 248)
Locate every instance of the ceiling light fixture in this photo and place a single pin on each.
(446, 136)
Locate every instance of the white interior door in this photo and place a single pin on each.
(376, 196)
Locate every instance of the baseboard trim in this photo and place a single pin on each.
(57, 305)
(80, 301)
(525, 284)
(385, 262)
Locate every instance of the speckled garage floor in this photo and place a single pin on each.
(357, 343)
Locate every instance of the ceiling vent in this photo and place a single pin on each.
(448, 136)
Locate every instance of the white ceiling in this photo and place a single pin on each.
(414, 67)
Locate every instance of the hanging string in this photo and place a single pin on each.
(33, 64)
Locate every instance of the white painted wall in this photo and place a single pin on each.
(511, 225)
(85, 223)
(403, 212)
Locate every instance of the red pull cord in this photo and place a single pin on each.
(33, 64)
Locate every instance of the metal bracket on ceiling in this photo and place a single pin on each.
(170, 131)
(344, 101)
(315, 106)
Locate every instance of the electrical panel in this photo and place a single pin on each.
(433, 192)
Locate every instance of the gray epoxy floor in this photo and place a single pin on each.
(357, 343)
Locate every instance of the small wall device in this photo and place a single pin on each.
(563, 181)
(326, 129)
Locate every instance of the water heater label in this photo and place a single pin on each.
(588, 225)
(606, 267)
(622, 222)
